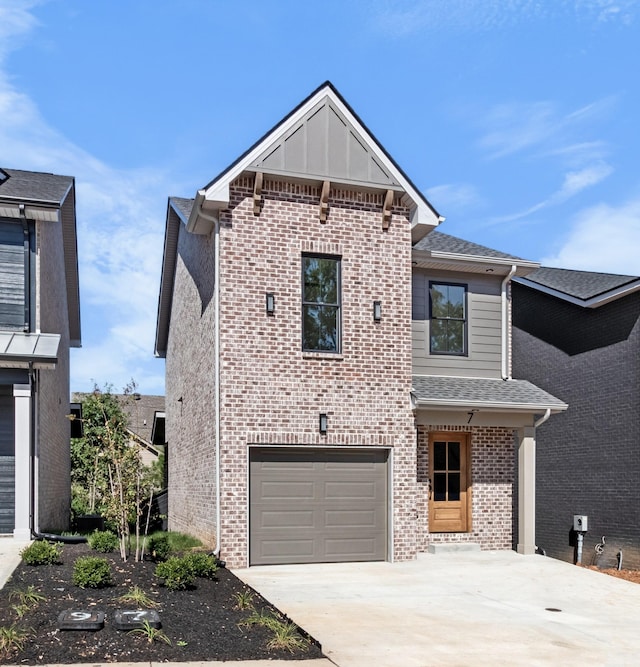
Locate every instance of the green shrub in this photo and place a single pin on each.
(202, 565)
(159, 547)
(103, 541)
(42, 553)
(176, 573)
(92, 572)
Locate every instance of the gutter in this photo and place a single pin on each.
(216, 353)
(505, 366)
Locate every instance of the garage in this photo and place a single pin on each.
(311, 505)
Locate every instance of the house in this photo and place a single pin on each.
(145, 422)
(39, 322)
(319, 407)
(577, 335)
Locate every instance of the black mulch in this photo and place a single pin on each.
(202, 624)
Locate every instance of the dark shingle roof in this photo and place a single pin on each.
(182, 205)
(437, 241)
(34, 186)
(579, 284)
(471, 392)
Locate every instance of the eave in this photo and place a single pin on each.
(445, 261)
(215, 196)
(594, 301)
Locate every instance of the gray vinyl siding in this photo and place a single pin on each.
(7, 462)
(12, 276)
(483, 358)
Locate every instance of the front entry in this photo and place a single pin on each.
(449, 482)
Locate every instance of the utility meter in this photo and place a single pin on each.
(580, 523)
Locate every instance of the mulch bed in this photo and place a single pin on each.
(203, 624)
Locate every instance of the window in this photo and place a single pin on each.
(320, 303)
(448, 318)
(17, 266)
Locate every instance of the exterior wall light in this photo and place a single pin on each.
(271, 303)
(323, 424)
(377, 311)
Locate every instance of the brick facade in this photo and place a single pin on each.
(587, 458)
(271, 392)
(492, 480)
(190, 391)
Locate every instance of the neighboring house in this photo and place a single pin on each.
(577, 335)
(39, 322)
(303, 424)
(145, 423)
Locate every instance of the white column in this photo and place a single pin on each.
(527, 490)
(22, 401)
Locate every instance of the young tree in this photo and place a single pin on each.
(106, 466)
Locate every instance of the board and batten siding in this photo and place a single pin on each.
(483, 327)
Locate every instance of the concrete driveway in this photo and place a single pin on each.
(465, 608)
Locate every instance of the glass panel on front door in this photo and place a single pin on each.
(449, 498)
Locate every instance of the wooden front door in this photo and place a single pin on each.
(450, 483)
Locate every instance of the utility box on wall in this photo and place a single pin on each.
(580, 523)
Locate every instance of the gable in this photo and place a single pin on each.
(324, 145)
(321, 141)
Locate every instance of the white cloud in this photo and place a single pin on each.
(399, 18)
(120, 215)
(602, 238)
(15, 22)
(510, 128)
(453, 197)
(574, 183)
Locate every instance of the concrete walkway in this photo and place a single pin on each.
(460, 608)
(10, 549)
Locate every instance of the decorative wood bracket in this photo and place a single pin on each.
(386, 209)
(324, 201)
(257, 193)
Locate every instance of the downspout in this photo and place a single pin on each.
(216, 354)
(542, 419)
(32, 452)
(506, 375)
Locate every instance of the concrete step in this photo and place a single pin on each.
(452, 547)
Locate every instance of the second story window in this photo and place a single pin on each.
(320, 303)
(448, 323)
(16, 268)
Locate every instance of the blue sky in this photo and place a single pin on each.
(518, 119)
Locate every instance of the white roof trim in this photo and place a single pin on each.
(216, 196)
(458, 258)
(490, 405)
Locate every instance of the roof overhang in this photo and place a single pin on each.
(175, 218)
(215, 197)
(64, 212)
(24, 350)
(592, 302)
(476, 394)
(448, 261)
